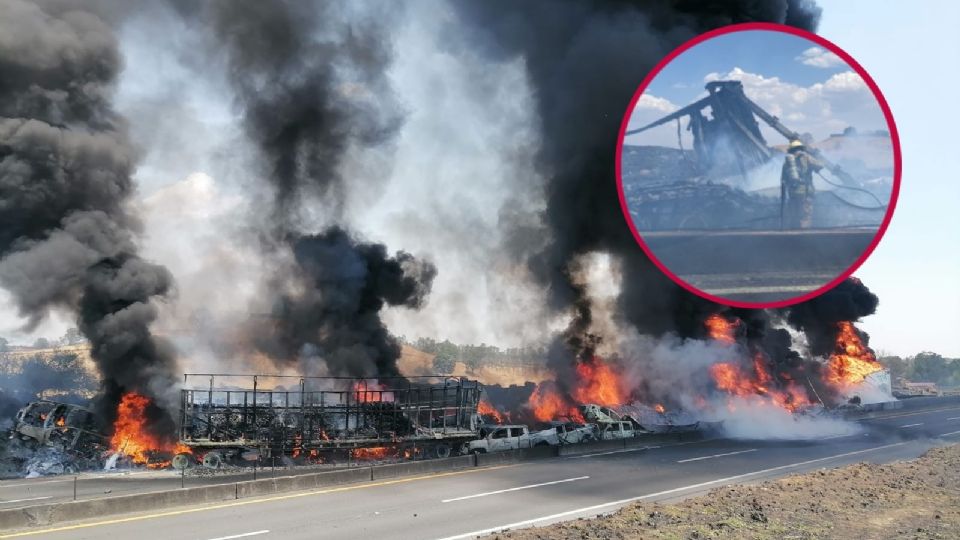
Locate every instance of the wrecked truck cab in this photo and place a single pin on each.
(617, 430)
(596, 413)
(498, 438)
(53, 423)
(560, 433)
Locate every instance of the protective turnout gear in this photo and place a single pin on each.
(797, 185)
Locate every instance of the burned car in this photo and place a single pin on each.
(63, 425)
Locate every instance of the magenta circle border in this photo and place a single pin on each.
(891, 127)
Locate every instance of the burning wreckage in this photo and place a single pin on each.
(317, 420)
(287, 420)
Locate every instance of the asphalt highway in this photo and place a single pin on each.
(465, 504)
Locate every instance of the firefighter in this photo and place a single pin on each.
(796, 186)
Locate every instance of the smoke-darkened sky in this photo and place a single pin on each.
(910, 265)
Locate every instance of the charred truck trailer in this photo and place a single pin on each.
(325, 418)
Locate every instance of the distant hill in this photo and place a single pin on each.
(415, 362)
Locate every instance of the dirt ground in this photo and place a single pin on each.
(911, 499)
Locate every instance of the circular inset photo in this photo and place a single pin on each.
(758, 165)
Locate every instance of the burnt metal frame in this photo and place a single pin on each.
(729, 103)
(351, 416)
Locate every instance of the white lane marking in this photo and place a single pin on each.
(948, 434)
(125, 474)
(954, 418)
(613, 452)
(587, 509)
(2, 486)
(901, 415)
(716, 456)
(912, 425)
(515, 489)
(637, 449)
(244, 535)
(838, 437)
(25, 500)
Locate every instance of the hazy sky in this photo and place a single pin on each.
(912, 53)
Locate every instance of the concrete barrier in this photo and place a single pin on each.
(41, 515)
(47, 514)
(591, 447)
(415, 468)
(269, 486)
(873, 407)
(516, 456)
(931, 401)
(639, 441)
(665, 438)
(927, 402)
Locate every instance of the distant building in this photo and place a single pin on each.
(907, 388)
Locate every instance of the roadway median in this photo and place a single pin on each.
(49, 514)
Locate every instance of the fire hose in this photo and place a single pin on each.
(848, 203)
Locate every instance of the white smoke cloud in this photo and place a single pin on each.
(677, 371)
(462, 177)
(459, 160)
(754, 418)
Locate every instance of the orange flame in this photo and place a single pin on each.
(733, 380)
(547, 404)
(720, 329)
(61, 422)
(852, 360)
(599, 384)
(660, 408)
(371, 392)
(297, 445)
(131, 437)
(378, 452)
(486, 409)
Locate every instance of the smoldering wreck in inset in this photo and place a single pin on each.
(698, 213)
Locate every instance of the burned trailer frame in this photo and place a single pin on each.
(320, 416)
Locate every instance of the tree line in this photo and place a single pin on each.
(924, 367)
(71, 337)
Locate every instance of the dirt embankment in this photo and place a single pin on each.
(913, 499)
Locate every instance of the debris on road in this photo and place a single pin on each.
(909, 499)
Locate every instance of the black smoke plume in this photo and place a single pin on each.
(311, 83)
(333, 320)
(818, 318)
(310, 80)
(585, 60)
(66, 238)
